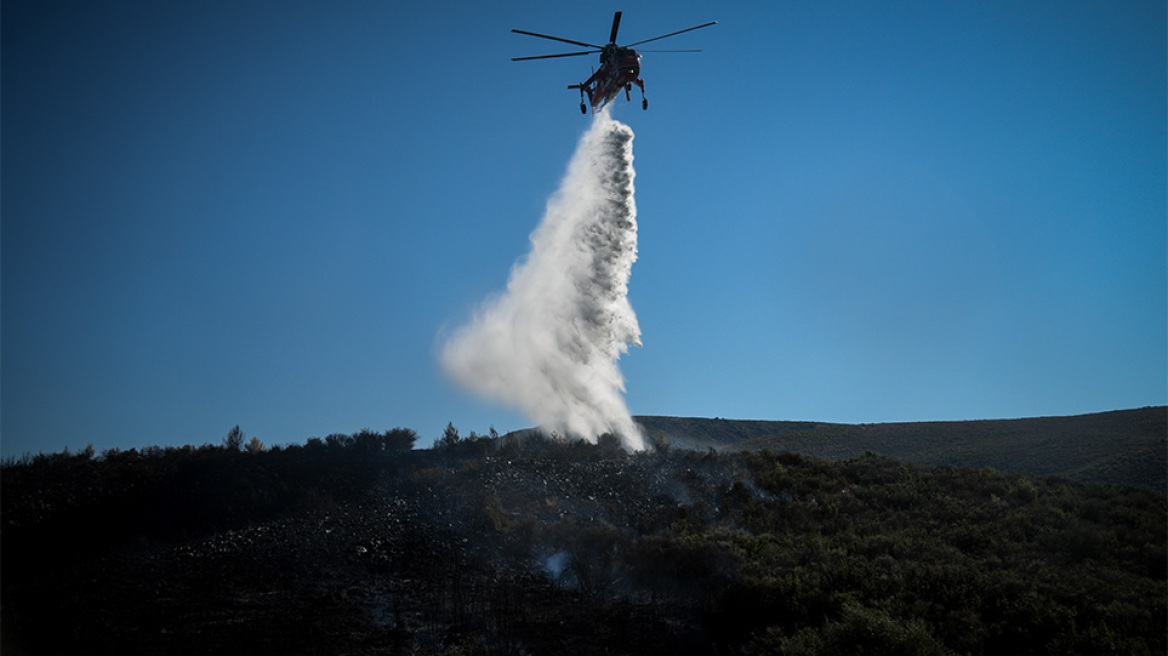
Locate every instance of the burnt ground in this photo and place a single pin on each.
(497, 547)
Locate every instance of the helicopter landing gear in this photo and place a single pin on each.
(640, 85)
(583, 106)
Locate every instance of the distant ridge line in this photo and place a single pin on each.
(1125, 447)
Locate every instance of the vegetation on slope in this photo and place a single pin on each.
(1126, 447)
(358, 545)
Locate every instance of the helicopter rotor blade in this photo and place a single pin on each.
(656, 38)
(615, 26)
(564, 54)
(639, 50)
(556, 38)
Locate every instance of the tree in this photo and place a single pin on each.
(400, 439)
(368, 442)
(255, 446)
(450, 437)
(609, 444)
(234, 439)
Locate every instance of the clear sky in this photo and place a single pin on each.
(270, 213)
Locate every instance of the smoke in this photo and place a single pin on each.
(549, 344)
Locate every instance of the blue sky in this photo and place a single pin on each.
(270, 213)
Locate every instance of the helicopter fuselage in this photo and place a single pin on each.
(620, 68)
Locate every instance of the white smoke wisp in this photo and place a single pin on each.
(549, 344)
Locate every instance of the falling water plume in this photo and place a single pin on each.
(549, 344)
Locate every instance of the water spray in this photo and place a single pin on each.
(550, 343)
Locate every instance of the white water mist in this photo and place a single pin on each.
(549, 344)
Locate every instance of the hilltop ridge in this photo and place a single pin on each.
(1125, 447)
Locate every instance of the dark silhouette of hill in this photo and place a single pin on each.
(1126, 447)
(357, 544)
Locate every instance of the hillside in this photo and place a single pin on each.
(1126, 447)
(360, 545)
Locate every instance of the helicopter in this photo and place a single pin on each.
(620, 66)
